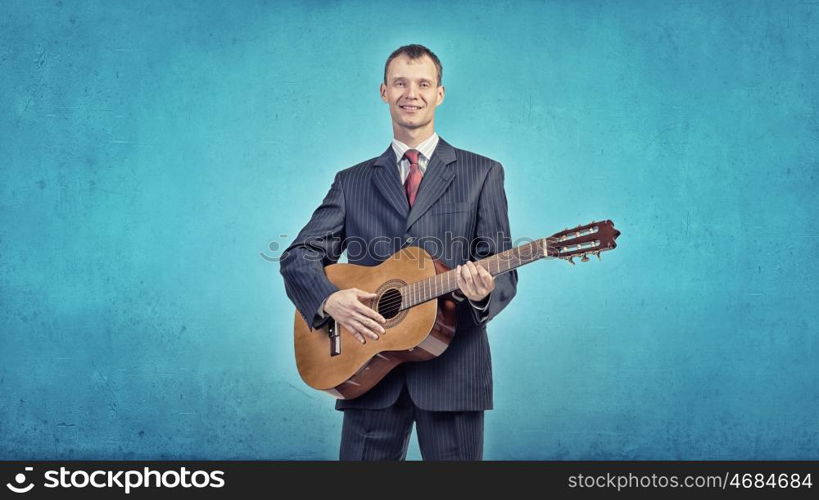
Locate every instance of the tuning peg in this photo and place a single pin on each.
(584, 258)
(570, 260)
(597, 253)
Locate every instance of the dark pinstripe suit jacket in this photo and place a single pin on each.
(460, 214)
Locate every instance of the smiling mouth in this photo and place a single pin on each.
(409, 108)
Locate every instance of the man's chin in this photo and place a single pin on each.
(411, 124)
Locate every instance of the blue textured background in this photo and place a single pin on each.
(151, 151)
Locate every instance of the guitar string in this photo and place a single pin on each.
(432, 284)
(393, 301)
(397, 301)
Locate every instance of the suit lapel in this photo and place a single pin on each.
(436, 180)
(388, 181)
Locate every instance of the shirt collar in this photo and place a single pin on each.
(426, 148)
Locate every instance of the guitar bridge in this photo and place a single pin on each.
(335, 338)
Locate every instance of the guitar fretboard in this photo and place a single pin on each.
(440, 284)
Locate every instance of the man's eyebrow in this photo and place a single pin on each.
(422, 79)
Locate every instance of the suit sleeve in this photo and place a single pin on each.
(492, 236)
(320, 243)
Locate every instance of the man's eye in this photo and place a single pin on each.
(425, 84)
(399, 84)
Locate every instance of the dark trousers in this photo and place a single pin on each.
(384, 434)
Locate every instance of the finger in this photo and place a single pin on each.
(485, 280)
(467, 286)
(369, 313)
(464, 272)
(372, 313)
(464, 284)
(367, 295)
(478, 272)
(480, 292)
(488, 279)
(481, 289)
(459, 280)
(369, 323)
(352, 330)
(365, 298)
(467, 272)
(363, 332)
(477, 276)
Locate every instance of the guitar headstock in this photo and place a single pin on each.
(582, 241)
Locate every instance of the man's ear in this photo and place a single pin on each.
(382, 89)
(441, 94)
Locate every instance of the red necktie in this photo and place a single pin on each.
(414, 177)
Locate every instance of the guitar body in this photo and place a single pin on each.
(414, 294)
(418, 333)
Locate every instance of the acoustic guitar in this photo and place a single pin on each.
(414, 294)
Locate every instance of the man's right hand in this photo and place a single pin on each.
(346, 308)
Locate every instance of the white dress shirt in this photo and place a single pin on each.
(426, 149)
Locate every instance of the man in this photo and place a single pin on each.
(420, 191)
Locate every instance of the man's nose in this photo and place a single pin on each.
(412, 90)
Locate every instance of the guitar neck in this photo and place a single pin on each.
(440, 284)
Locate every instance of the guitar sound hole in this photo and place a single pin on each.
(389, 303)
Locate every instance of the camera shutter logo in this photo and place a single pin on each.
(20, 478)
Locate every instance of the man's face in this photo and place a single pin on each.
(412, 91)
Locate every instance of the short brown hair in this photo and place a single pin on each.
(415, 51)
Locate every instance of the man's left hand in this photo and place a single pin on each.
(474, 281)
